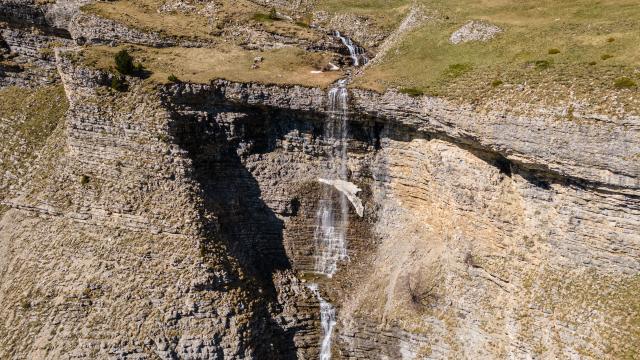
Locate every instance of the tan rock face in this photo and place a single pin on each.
(462, 252)
(178, 222)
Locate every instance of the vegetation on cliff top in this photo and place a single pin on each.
(579, 32)
(549, 50)
(201, 65)
(198, 22)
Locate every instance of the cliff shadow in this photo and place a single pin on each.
(250, 230)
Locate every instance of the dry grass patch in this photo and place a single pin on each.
(385, 14)
(201, 65)
(199, 23)
(27, 118)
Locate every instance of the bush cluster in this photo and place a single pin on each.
(624, 83)
(124, 65)
(413, 92)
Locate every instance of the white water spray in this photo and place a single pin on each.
(358, 55)
(331, 225)
(328, 321)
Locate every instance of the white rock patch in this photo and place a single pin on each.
(474, 31)
(349, 190)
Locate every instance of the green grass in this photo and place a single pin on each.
(426, 60)
(456, 70)
(411, 92)
(202, 65)
(624, 83)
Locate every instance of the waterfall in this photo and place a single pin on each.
(328, 321)
(331, 225)
(332, 219)
(358, 55)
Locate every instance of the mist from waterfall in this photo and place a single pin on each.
(332, 219)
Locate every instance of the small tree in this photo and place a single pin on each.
(124, 62)
(273, 14)
(119, 83)
(422, 288)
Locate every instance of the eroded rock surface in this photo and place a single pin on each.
(177, 221)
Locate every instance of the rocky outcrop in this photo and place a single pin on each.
(579, 147)
(544, 140)
(28, 58)
(474, 31)
(147, 271)
(96, 30)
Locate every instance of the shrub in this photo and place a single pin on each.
(606, 56)
(172, 78)
(261, 17)
(456, 70)
(119, 83)
(421, 290)
(542, 64)
(624, 83)
(554, 51)
(124, 62)
(273, 14)
(496, 83)
(471, 260)
(84, 179)
(413, 92)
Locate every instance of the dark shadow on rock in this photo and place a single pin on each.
(250, 230)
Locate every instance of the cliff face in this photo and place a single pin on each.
(477, 229)
(177, 221)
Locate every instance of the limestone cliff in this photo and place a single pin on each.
(176, 220)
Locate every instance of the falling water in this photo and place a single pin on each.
(332, 220)
(358, 55)
(331, 225)
(328, 321)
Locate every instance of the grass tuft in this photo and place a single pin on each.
(84, 179)
(496, 83)
(456, 70)
(413, 92)
(119, 83)
(542, 64)
(624, 83)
